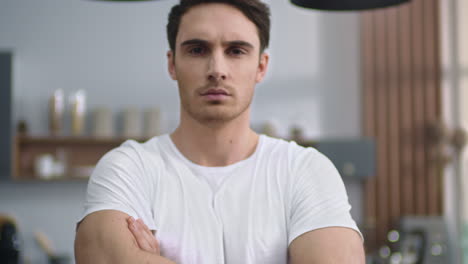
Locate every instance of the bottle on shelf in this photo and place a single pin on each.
(56, 108)
(78, 110)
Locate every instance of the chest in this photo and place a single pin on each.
(243, 221)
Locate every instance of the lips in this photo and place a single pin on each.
(215, 92)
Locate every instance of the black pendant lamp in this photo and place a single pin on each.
(124, 0)
(346, 5)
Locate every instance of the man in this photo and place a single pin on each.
(214, 191)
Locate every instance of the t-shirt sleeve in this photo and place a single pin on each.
(119, 182)
(318, 197)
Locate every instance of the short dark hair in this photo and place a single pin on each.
(255, 10)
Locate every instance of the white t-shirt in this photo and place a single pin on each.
(247, 212)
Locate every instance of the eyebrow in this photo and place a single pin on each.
(206, 43)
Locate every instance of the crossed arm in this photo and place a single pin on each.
(106, 237)
(114, 237)
(327, 246)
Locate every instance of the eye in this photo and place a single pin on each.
(236, 51)
(197, 51)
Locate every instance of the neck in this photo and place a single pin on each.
(215, 146)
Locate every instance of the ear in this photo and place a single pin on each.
(262, 67)
(171, 65)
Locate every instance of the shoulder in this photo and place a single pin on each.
(131, 150)
(295, 155)
(308, 159)
(279, 145)
(309, 168)
(131, 158)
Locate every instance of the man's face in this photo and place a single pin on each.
(217, 63)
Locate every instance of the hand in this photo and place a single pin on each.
(144, 237)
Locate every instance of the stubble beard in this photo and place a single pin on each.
(215, 113)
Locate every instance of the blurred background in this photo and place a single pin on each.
(382, 92)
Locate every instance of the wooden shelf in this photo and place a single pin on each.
(80, 155)
(37, 179)
(64, 140)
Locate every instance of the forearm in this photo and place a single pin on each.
(103, 237)
(87, 254)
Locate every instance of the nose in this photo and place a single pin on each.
(217, 68)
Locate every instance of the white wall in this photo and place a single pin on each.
(116, 52)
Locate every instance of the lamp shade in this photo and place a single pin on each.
(124, 0)
(346, 5)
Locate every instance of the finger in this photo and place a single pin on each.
(140, 236)
(145, 239)
(150, 236)
(145, 227)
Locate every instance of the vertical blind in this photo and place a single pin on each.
(401, 91)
